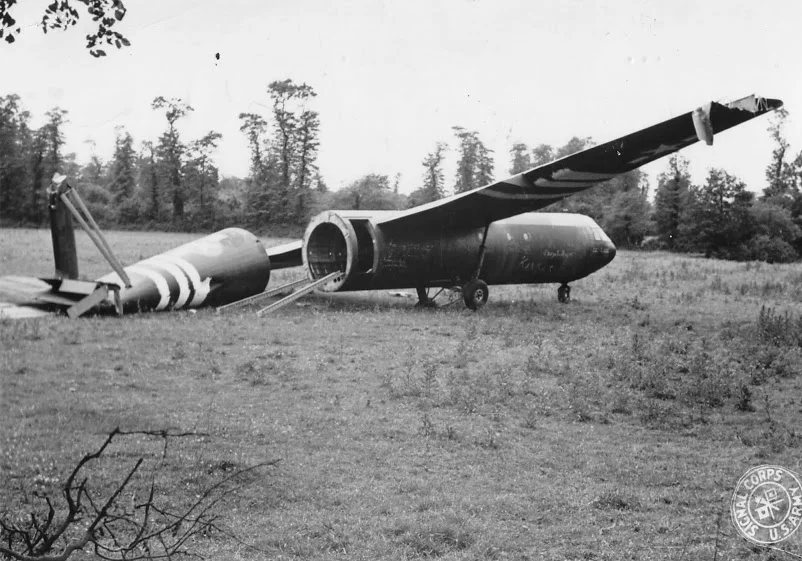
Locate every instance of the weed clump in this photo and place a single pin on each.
(435, 539)
(615, 499)
(779, 330)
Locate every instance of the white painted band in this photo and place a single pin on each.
(178, 274)
(201, 288)
(158, 280)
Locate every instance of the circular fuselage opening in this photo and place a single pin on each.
(326, 250)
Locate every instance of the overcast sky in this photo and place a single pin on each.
(392, 78)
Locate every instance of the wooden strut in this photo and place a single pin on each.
(266, 294)
(89, 302)
(295, 295)
(481, 256)
(93, 231)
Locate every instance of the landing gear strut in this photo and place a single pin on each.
(475, 292)
(423, 298)
(564, 293)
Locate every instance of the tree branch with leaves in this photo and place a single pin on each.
(63, 14)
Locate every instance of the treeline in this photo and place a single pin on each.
(721, 218)
(171, 183)
(166, 183)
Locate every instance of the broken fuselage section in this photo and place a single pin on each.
(217, 269)
(214, 270)
(527, 248)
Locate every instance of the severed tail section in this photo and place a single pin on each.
(62, 233)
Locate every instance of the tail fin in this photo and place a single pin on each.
(62, 232)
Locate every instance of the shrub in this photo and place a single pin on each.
(771, 250)
(130, 211)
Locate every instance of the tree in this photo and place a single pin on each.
(45, 160)
(171, 150)
(475, 165)
(203, 174)
(38, 174)
(149, 180)
(720, 221)
(371, 192)
(775, 233)
(573, 146)
(542, 154)
(774, 221)
(62, 15)
(321, 187)
(626, 218)
(93, 171)
(259, 195)
(671, 199)
(306, 157)
(521, 160)
(254, 126)
(295, 143)
(54, 137)
(15, 151)
(285, 123)
(283, 170)
(778, 172)
(433, 178)
(123, 180)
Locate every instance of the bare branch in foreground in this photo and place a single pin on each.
(116, 531)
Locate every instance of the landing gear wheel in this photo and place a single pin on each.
(564, 293)
(475, 294)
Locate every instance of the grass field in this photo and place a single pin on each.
(613, 427)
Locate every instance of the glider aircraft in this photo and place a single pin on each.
(490, 235)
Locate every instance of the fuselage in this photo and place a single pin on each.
(528, 248)
(217, 269)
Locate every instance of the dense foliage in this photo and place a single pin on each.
(723, 219)
(173, 183)
(63, 14)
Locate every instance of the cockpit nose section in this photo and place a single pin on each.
(603, 246)
(608, 249)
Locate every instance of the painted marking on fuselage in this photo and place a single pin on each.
(203, 290)
(557, 253)
(177, 273)
(158, 280)
(531, 266)
(201, 287)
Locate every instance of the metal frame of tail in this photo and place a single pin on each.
(77, 296)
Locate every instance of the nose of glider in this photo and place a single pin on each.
(608, 251)
(604, 249)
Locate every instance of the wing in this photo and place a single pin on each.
(21, 297)
(541, 186)
(286, 255)
(30, 296)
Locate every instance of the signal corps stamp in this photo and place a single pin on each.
(766, 506)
